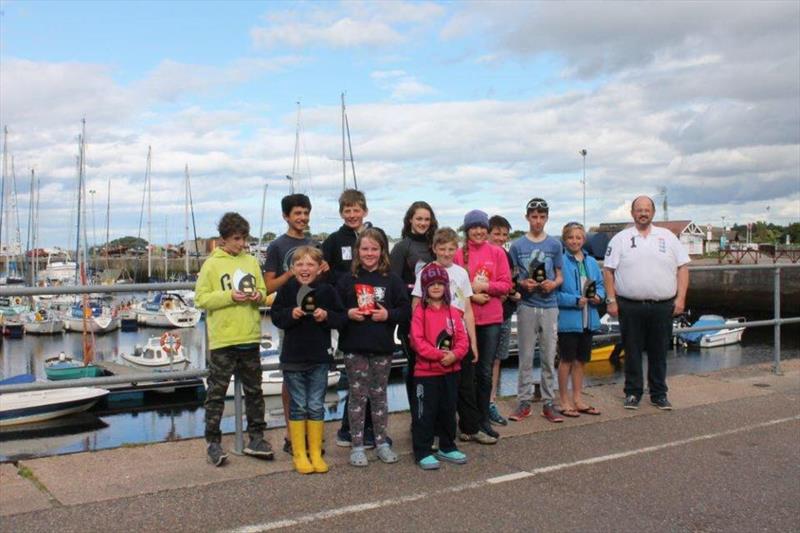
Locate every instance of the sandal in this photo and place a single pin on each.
(589, 410)
(358, 457)
(570, 412)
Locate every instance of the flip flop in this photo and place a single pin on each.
(571, 413)
(589, 410)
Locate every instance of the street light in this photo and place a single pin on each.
(583, 153)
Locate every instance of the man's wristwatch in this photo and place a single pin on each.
(610, 301)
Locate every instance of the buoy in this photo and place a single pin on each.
(170, 342)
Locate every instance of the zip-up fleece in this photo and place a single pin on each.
(570, 316)
(305, 340)
(229, 322)
(370, 337)
(493, 261)
(426, 325)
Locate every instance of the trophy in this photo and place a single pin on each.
(247, 284)
(590, 290)
(306, 299)
(537, 271)
(444, 341)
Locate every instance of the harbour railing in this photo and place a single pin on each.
(154, 377)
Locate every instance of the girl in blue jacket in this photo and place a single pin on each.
(578, 298)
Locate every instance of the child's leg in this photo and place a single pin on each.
(424, 417)
(446, 413)
(467, 406)
(488, 337)
(315, 393)
(584, 355)
(502, 354)
(249, 368)
(221, 365)
(379, 368)
(527, 331)
(547, 351)
(564, 370)
(357, 367)
(286, 406)
(296, 383)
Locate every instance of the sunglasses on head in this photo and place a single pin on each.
(537, 204)
(573, 225)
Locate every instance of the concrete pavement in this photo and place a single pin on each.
(725, 459)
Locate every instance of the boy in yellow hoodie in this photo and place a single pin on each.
(230, 288)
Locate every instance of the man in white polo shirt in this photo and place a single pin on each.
(646, 276)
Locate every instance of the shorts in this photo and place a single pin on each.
(504, 340)
(575, 347)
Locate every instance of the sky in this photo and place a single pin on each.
(466, 105)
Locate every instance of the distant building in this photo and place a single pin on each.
(688, 233)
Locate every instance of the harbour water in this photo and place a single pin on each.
(157, 417)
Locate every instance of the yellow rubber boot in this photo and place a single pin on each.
(297, 430)
(315, 430)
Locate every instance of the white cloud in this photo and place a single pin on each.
(400, 85)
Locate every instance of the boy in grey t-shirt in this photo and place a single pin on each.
(537, 257)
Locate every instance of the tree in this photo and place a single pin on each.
(268, 236)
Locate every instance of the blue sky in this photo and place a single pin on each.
(465, 105)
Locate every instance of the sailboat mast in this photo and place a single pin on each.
(108, 220)
(3, 190)
(261, 226)
(36, 226)
(30, 226)
(166, 245)
(149, 189)
(344, 159)
(78, 261)
(296, 159)
(186, 221)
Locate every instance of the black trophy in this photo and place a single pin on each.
(444, 341)
(537, 271)
(590, 291)
(306, 299)
(247, 285)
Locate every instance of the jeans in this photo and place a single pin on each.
(488, 338)
(645, 326)
(307, 393)
(530, 321)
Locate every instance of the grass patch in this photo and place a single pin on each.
(27, 473)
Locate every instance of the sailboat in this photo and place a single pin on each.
(8, 209)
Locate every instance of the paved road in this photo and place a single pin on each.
(729, 466)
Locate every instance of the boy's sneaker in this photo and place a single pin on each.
(550, 414)
(489, 431)
(386, 454)
(343, 438)
(480, 437)
(495, 416)
(429, 463)
(215, 454)
(523, 410)
(631, 402)
(259, 448)
(662, 403)
(455, 457)
(287, 446)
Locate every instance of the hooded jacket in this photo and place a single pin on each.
(229, 322)
(493, 261)
(427, 323)
(570, 316)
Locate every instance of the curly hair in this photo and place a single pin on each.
(377, 236)
(233, 224)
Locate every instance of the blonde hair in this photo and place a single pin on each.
(445, 236)
(307, 251)
(378, 237)
(569, 227)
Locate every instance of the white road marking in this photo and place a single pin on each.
(398, 500)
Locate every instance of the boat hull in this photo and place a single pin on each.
(95, 324)
(35, 406)
(44, 327)
(56, 373)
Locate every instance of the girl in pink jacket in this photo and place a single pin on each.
(490, 274)
(440, 341)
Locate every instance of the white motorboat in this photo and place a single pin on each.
(36, 406)
(167, 310)
(730, 332)
(159, 352)
(42, 322)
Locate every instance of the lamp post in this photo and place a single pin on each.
(583, 153)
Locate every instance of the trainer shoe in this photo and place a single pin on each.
(550, 414)
(216, 456)
(455, 457)
(429, 463)
(259, 448)
(495, 416)
(523, 410)
(662, 403)
(343, 438)
(631, 402)
(480, 437)
(287, 446)
(489, 431)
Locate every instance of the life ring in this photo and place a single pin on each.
(18, 300)
(168, 304)
(170, 342)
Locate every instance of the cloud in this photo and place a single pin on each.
(402, 86)
(345, 25)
